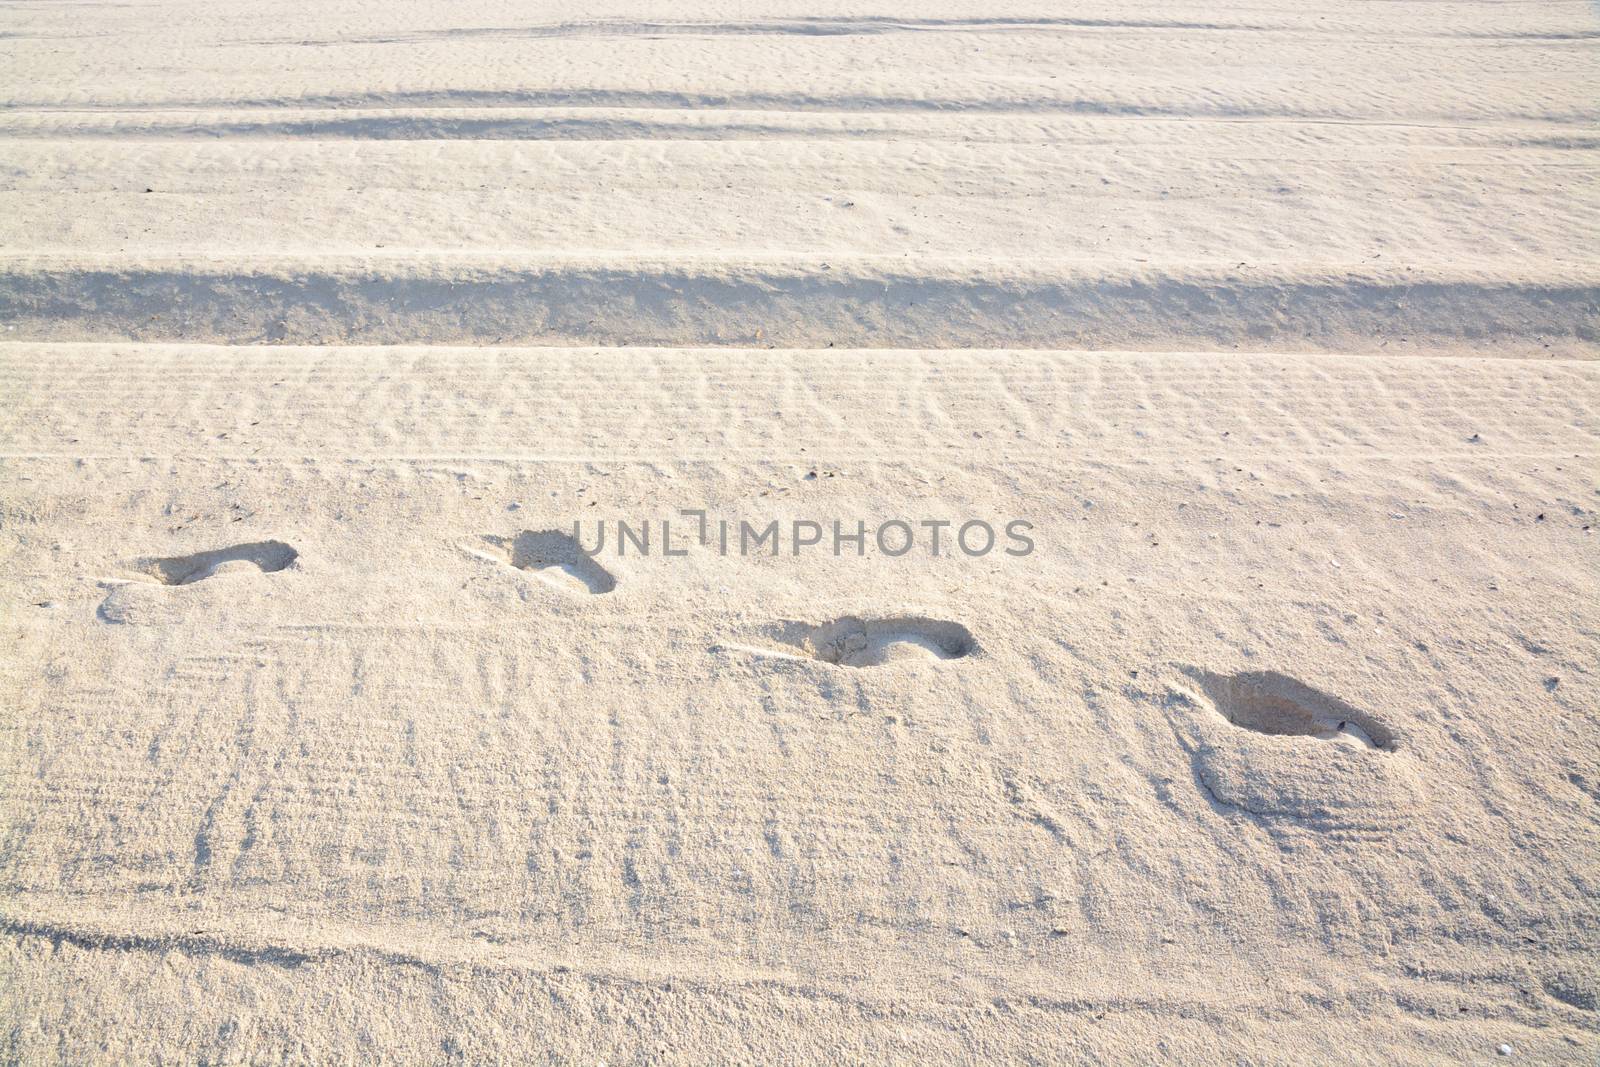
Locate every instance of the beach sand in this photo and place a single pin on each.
(1274, 325)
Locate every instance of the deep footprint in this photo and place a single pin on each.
(265, 556)
(853, 642)
(555, 558)
(1272, 703)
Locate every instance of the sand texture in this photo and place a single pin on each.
(323, 741)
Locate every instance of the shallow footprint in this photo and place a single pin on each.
(1272, 703)
(855, 642)
(1273, 747)
(555, 559)
(263, 556)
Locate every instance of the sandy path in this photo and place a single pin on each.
(444, 779)
(320, 743)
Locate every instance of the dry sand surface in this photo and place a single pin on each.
(321, 324)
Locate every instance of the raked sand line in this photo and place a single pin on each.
(866, 303)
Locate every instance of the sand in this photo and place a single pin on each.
(324, 328)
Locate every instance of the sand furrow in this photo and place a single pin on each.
(793, 305)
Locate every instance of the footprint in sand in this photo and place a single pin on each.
(857, 642)
(1272, 747)
(555, 559)
(144, 602)
(263, 556)
(1272, 703)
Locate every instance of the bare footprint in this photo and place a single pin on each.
(856, 642)
(263, 556)
(1272, 703)
(1273, 748)
(555, 559)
